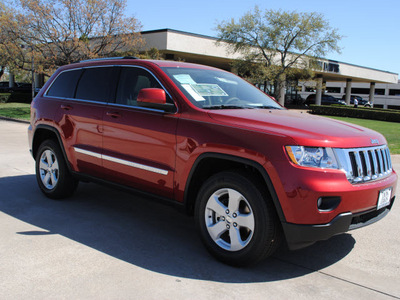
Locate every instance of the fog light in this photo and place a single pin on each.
(328, 203)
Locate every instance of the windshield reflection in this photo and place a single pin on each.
(215, 89)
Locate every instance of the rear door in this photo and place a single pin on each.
(80, 116)
(139, 143)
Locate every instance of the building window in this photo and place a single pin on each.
(360, 91)
(394, 92)
(331, 89)
(365, 91)
(379, 91)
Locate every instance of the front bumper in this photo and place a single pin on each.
(299, 236)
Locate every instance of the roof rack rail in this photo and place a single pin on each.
(108, 58)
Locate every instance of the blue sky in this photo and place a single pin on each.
(371, 29)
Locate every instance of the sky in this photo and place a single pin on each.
(371, 28)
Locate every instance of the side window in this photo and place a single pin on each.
(95, 84)
(65, 84)
(131, 81)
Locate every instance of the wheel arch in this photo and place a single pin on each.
(208, 164)
(46, 132)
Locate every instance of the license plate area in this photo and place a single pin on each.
(384, 198)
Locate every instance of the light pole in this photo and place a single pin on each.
(33, 75)
(32, 69)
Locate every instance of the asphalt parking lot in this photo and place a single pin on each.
(107, 244)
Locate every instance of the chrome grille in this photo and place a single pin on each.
(365, 164)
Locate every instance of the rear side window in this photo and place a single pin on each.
(65, 84)
(95, 84)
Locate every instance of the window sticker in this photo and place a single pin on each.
(196, 96)
(208, 89)
(184, 79)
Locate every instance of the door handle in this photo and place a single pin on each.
(113, 114)
(66, 107)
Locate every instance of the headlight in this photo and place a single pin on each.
(315, 157)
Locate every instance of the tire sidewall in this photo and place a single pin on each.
(255, 249)
(65, 184)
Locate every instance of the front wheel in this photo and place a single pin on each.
(237, 224)
(52, 174)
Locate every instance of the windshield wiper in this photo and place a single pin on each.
(224, 107)
(267, 107)
(240, 107)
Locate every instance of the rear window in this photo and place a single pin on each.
(65, 84)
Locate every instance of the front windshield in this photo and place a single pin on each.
(214, 89)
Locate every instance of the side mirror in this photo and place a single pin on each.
(154, 98)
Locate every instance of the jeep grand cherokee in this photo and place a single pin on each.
(251, 172)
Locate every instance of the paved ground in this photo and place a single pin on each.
(106, 244)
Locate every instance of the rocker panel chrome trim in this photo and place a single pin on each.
(122, 161)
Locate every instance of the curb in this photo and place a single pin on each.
(14, 120)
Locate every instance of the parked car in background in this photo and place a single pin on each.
(361, 101)
(294, 99)
(22, 87)
(4, 87)
(325, 100)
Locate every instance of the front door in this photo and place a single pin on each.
(138, 143)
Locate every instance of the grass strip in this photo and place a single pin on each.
(390, 130)
(20, 111)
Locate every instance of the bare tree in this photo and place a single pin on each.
(58, 32)
(10, 52)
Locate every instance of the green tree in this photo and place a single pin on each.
(276, 45)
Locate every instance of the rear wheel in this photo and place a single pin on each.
(237, 224)
(52, 174)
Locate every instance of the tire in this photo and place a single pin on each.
(52, 174)
(237, 224)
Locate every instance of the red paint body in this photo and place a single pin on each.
(172, 142)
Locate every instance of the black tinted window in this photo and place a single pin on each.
(95, 84)
(65, 84)
(131, 81)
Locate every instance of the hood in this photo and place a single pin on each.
(303, 128)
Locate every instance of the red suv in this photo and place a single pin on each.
(251, 172)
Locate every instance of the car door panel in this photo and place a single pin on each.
(139, 149)
(81, 127)
(138, 143)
